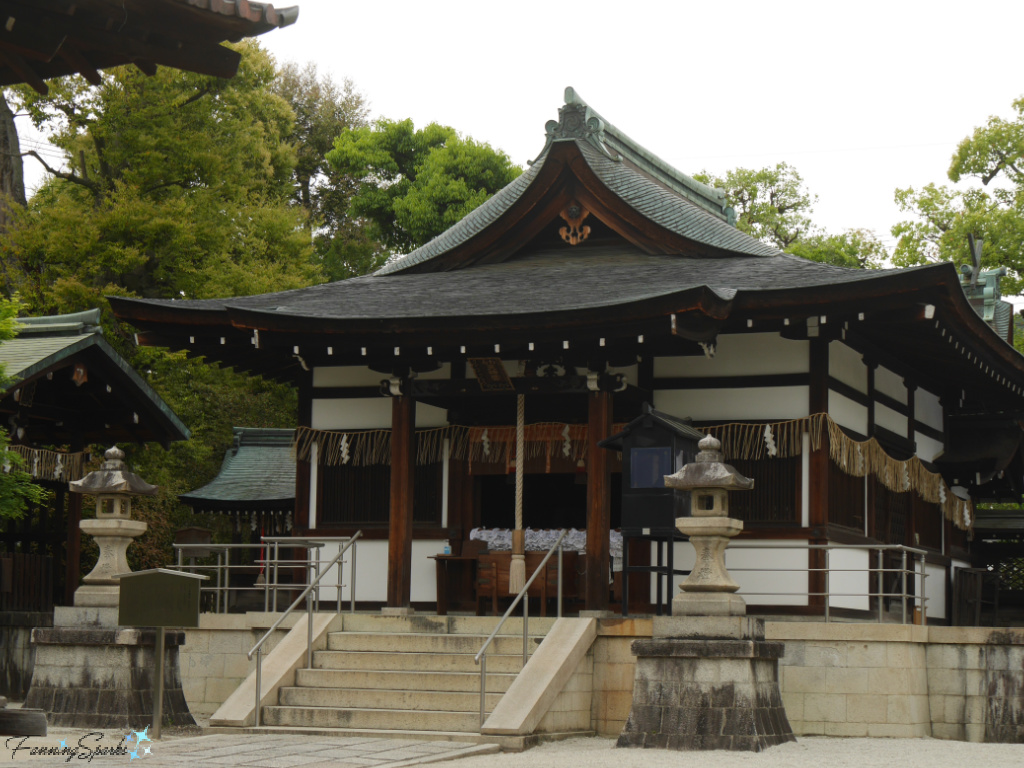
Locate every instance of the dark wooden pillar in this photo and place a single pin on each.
(598, 502)
(303, 469)
(74, 548)
(819, 468)
(403, 467)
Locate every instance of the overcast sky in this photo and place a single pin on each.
(861, 98)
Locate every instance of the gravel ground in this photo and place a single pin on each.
(808, 752)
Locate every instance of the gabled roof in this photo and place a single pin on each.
(681, 427)
(258, 475)
(69, 387)
(611, 163)
(51, 38)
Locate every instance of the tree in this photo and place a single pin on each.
(177, 184)
(773, 206)
(943, 215)
(414, 184)
(323, 109)
(17, 491)
(856, 248)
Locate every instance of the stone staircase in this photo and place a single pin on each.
(388, 676)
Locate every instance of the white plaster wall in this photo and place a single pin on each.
(927, 448)
(891, 384)
(781, 585)
(749, 403)
(846, 413)
(928, 409)
(740, 354)
(369, 413)
(935, 590)
(849, 582)
(630, 372)
(372, 571)
(888, 418)
(361, 376)
(846, 365)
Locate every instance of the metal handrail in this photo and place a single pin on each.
(481, 656)
(918, 554)
(257, 649)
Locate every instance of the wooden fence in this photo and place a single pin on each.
(26, 582)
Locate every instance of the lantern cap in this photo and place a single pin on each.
(113, 478)
(708, 471)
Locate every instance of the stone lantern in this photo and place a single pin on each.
(113, 485)
(709, 589)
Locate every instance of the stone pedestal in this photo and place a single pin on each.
(113, 535)
(90, 673)
(705, 684)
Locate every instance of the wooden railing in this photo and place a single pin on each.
(26, 582)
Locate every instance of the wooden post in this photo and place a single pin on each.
(819, 468)
(403, 469)
(303, 471)
(598, 555)
(72, 577)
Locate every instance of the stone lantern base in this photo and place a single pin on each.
(90, 673)
(707, 683)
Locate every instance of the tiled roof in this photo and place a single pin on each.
(543, 281)
(258, 474)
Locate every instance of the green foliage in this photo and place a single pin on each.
(773, 206)
(342, 245)
(414, 184)
(177, 184)
(856, 248)
(17, 491)
(943, 215)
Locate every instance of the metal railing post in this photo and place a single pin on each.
(259, 680)
(526, 624)
(828, 585)
(903, 577)
(483, 686)
(924, 599)
(881, 583)
(352, 581)
(309, 632)
(559, 612)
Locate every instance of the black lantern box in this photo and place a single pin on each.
(653, 445)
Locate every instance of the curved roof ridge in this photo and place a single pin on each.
(707, 197)
(471, 224)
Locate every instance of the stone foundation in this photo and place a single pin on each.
(701, 693)
(93, 677)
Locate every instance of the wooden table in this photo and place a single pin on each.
(461, 567)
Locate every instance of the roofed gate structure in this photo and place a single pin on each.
(599, 280)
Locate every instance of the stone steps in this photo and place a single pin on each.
(403, 674)
(402, 680)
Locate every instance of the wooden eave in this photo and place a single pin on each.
(80, 415)
(42, 39)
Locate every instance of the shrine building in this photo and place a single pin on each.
(869, 406)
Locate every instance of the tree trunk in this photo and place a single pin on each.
(12, 178)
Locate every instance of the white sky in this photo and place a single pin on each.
(861, 98)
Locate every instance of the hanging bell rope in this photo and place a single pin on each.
(517, 569)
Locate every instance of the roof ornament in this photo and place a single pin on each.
(577, 121)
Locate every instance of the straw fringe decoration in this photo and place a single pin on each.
(51, 465)
(740, 441)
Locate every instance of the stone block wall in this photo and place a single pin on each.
(976, 684)
(17, 655)
(854, 679)
(614, 668)
(571, 709)
(213, 660)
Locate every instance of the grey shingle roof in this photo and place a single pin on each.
(258, 474)
(551, 280)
